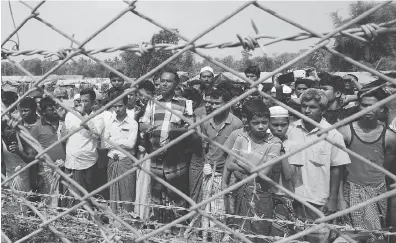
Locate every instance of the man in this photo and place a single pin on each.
(8, 98)
(76, 101)
(157, 85)
(61, 94)
(317, 176)
(372, 140)
(37, 96)
(117, 83)
(171, 164)
(218, 128)
(334, 87)
(28, 108)
(252, 72)
(122, 130)
(132, 108)
(206, 75)
(16, 153)
(301, 85)
(283, 94)
(178, 92)
(99, 101)
(47, 132)
(81, 154)
(351, 84)
(147, 87)
(198, 85)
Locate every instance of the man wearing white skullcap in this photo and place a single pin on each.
(207, 76)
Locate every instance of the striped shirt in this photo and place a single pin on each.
(163, 120)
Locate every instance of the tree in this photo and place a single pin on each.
(33, 66)
(8, 69)
(266, 64)
(382, 46)
(186, 63)
(136, 66)
(229, 62)
(246, 58)
(47, 64)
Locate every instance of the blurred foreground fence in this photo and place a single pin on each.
(64, 222)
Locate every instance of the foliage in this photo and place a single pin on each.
(136, 66)
(371, 52)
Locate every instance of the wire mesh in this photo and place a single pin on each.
(93, 207)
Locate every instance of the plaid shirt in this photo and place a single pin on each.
(163, 120)
(171, 163)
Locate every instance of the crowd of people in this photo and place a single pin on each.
(224, 150)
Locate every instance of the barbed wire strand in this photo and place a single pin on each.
(166, 47)
(33, 13)
(195, 228)
(344, 228)
(13, 21)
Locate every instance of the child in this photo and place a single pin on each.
(282, 173)
(256, 146)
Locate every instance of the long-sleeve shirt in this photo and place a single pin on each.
(122, 133)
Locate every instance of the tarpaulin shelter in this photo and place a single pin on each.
(228, 76)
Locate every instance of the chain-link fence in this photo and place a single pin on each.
(91, 225)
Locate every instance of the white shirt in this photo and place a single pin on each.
(123, 133)
(315, 160)
(392, 126)
(131, 113)
(81, 146)
(104, 118)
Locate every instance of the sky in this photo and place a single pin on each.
(83, 18)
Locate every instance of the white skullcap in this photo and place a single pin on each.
(207, 69)
(278, 111)
(285, 89)
(77, 97)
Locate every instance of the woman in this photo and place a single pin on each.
(254, 199)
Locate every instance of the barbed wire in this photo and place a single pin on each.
(298, 223)
(370, 31)
(251, 42)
